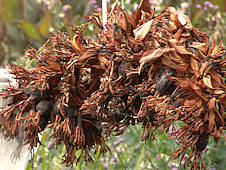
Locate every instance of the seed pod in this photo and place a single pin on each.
(56, 109)
(43, 122)
(164, 85)
(69, 112)
(97, 131)
(202, 141)
(43, 106)
(36, 94)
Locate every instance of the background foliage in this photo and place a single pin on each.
(30, 22)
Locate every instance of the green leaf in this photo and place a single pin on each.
(30, 30)
(10, 10)
(46, 23)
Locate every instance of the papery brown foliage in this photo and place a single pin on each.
(151, 69)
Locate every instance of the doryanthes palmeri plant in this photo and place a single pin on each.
(154, 69)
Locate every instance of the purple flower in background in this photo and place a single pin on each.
(216, 6)
(105, 166)
(152, 2)
(39, 149)
(142, 166)
(174, 168)
(50, 144)
(207, 3)
(206, 149)
(38, 158)
(92, 1)
(117, 142)
(102, 159)
(170, 164)
(205, 8)
(158, 157)
(65, 169)
(97, 8)
(137, 147)
(211, 5)
(46, 3)
(198, 6)
(114, 160)
(184, 5)
(66, 8)
(212, 169)
(186, 156)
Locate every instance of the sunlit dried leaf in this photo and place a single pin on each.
(77, 44)
(179, 48)
(142, 31)
(195, 66)
(207, 81)
(150, 56)
(199, 46)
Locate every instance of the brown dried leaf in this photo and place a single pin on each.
(151, 55)
(211, 103)
(141, 32)
(53, 64)
(207, 81)
(145, 6)
(168, 62)
(86, 56)
(194, 66)
(103, 61)
(219, 92)
(211, 119)
(193, 102)
(199, 46)
(179, 48)
(174, 17)
(185, 21)
(218, 78)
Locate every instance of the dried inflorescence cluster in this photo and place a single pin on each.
(151, 69)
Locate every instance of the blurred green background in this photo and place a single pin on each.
(31, 22)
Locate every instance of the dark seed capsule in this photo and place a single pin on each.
(43, 106)
(43, 122)
(202, 141)
(97, 131)
(164, 85)
(36, 94)
(56, 109)
(88, 136)
(69, 112)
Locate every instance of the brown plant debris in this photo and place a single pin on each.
(150, 69)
